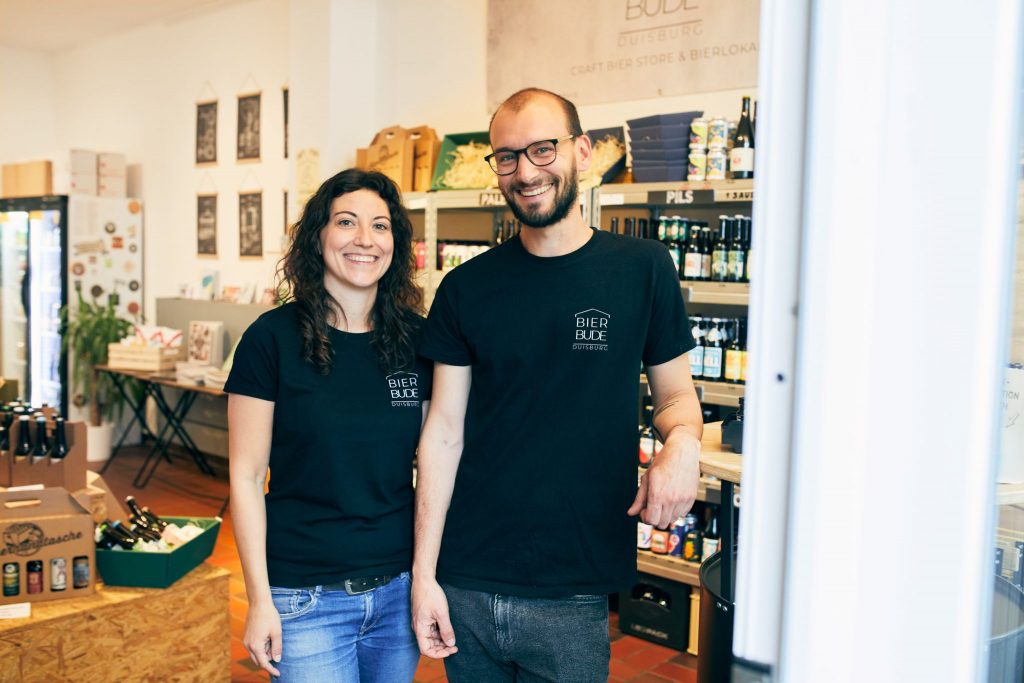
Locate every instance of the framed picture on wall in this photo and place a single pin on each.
(206, 224)
(249, 127)
(250, 224)
(206, 132)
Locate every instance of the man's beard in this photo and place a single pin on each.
(565, 200)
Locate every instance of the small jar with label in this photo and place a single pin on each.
(716, 164)
(718, 133)
(698, 163)
(699, 132)
(643, 535)
(659, 542)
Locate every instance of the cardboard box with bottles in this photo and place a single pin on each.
(67, 472)
(47, 550)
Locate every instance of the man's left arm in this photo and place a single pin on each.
(669, 487)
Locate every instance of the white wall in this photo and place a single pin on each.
(136, 93)
(401, 62)
(28, 119)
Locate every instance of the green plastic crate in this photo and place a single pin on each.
(160, 569)
(444, 158)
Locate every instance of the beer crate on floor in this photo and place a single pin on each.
(656, 609)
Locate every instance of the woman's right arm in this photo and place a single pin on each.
(250, 424)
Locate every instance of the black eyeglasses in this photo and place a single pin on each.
(540, 153)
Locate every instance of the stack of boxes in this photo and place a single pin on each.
(659, 146)
(81, 172)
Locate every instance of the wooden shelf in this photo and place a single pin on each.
(668, 567)
(722, 293)
(677, 194)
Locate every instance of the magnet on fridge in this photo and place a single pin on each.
(131, 231)
(133, 248)
(96, 291)
(110, 228)
(78, 268)
(133, 307)
(133, 285)
(117, 242)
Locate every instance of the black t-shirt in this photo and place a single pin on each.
(548, 467)
(340, 501)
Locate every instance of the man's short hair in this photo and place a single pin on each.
(517, 101)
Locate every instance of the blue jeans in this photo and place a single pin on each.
(329, 636)
(507, 638)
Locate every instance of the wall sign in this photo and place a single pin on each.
(620, 50)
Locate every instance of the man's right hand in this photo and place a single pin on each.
(430, 620)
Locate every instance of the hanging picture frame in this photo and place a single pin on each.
(248, 138)
(206, 224)
(250, 225)
(206, 133)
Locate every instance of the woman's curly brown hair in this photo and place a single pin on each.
(301, 274)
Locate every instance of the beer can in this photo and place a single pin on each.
(12, 579)
(699, 132)
(643, 535)
(718, 133)
(716, 164)
(34, 576)
(698, 163)
(80, 568)
(659, 542)
(675, 538)
(58, 574)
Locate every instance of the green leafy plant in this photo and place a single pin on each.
(86, 333)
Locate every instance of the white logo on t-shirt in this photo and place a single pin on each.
(591, 330)
(404, 388)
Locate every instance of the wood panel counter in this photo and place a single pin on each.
(180, 633)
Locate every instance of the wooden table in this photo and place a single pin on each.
(153, 384)
(180, 633)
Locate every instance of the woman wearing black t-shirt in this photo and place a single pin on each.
(328, 392)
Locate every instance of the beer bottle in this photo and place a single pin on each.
(646, 448)
(673, 251)
(59, 450)
(710, 544)
(691, 261)
(613, 227)
(24, 447)
(5, 439)
(743, 356)
(662, 228)
(750, 251)
(713, 351)
(736, 251)
(642, 229)
(705, 252)
(696, 354)
(741, 156)
(734, 355)
(42, 445)
(145, 513)
(719, 252)
(8, 417)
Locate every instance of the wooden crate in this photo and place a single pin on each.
(145, 358)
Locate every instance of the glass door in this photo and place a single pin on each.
(46, 298)
(14, 299)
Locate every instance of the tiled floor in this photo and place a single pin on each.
(179, 489)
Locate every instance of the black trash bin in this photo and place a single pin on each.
(1006, 649)
(714, 639)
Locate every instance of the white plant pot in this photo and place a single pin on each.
(99, 440)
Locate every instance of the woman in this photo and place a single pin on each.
(327, 390)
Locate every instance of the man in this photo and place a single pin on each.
(527, 461)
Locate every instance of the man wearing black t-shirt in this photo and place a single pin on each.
(527, 466)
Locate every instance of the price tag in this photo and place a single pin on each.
(734, 195)
(681, 197)
(612, 199)
(416, 204)
(493, 198)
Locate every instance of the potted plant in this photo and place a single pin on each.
(87, 330)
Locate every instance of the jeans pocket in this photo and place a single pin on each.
(292, 602)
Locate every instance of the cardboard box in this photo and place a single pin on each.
(39, 530)
(112, 186)
(482, 176)
(83, 162)
(29, 179)
(68, 472)
(111, 165)
(159, 570)
(426, 145)
(97, 498)
(391, 153)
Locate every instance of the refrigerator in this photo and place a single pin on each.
(49, 247)
(33, 273)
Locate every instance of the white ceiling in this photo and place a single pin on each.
(55, 25)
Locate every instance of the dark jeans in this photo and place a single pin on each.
(506, 638)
